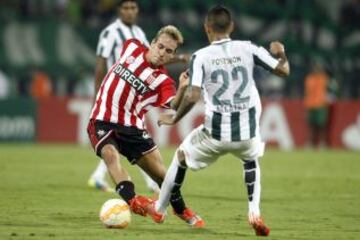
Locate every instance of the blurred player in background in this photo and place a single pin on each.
(109, 47)
(223, 73)
(316, 104)
(136, 83)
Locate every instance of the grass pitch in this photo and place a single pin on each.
(305, 195)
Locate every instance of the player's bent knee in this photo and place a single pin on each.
(109, 153)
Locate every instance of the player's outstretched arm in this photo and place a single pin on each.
(277, 49)
(183, 83)
(191, 96)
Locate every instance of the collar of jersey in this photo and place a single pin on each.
(221, 41)
(123, 24)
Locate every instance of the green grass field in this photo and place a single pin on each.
(305, 195)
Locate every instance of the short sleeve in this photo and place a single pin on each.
(196, 71)
(167, 92)
(105, 44)
(263, 58)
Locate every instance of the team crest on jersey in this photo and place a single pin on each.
(130, 60)
(151, 78)
(146, 135)
(101, 132)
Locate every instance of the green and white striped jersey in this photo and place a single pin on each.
(112, 38)
(224, 71)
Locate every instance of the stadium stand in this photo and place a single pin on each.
(60, 37)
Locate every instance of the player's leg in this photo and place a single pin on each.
(170, 193)
(112, 160)
(153, 165)
(196, 152)
(151, 184)
(252, 179)
(124, 186)
(322, 114)
(104, 140)
(172, 183)
(254, 149)
(313, 120)
(253, 186)
(98, 178)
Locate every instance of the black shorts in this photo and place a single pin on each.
(131, 142)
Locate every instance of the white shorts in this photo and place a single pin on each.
(201, 149)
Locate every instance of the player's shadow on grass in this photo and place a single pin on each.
(24, 224)
(190, 232)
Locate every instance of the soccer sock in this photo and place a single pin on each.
(126, 190)
(176, 199)
(100, 171)
(170, 188)
(252, 182)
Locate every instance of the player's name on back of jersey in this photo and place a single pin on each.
(222, 61)
(233, 107)
(128, 76)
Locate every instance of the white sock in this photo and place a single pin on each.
(100, 171)
(252, 181)
(167, 186)
(151, 184)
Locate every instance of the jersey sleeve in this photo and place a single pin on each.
(167, 92)
(196, 70)
(106, 44)
(263, 58)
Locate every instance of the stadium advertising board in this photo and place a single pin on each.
(283, 123)
(17, 119)
(63, 120)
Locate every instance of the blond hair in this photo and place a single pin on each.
(171, 31)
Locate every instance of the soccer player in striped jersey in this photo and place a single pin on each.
(136, 83)
(109, 47)
(223, 73)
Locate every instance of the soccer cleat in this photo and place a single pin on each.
(101, 185)
(156, 216)
(258, 225)
(191, 218)
(140, 205)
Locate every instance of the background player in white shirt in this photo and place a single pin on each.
(109, 47)
(223, 73)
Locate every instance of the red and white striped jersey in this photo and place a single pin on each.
(131, 87)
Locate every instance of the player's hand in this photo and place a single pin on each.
(166, 119)
(276, 48)
(184, 79)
